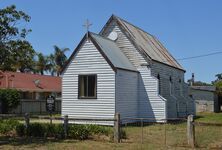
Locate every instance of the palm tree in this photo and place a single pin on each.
(42, 64)
(60, 58)
(52, 64)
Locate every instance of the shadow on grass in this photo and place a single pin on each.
(198, 117)
(21, 141)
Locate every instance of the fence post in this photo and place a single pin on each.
(141, 124)
(66, 122)
(191, 131)
(26, 120)
(117, 128)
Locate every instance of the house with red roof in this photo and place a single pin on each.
(32, 86)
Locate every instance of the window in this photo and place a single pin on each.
(171, 86)
(87, 86)
(159, 84)
(181, 87)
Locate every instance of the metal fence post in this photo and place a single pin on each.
(117, 128)
(26, 120)
(66, 122)
(191, 131)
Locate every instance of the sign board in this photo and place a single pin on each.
(50, 103)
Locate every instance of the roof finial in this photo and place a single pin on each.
(87, 25)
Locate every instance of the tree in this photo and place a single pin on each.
(200, 83)
(42, 64)
(60, 58)
(22, 56)
(218, 84)
(13, 46)
(219, 76)
(52, 64)
(9, 98)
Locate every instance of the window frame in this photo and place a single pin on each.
(91, 97)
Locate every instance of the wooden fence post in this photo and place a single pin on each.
(191, 131)
(26, 120)
(117, 128)
(66, 122)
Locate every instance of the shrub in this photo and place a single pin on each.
(20, 130)
(80, 132)
(96, 129)
(36, 130)
(9, 99)
(54, 130)
(8, 125)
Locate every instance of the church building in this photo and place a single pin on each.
(125, 70)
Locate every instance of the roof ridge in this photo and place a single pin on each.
(32, 74)
(132, 25)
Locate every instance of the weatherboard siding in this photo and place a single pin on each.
(179, 103)
(151, 104)
(125, 44)
(88, 60)
(127, 103)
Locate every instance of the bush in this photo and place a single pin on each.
(20, 130)
(9, 99)
(8, 125)
(96, 129)
(80, 132)
(54, 130)
(36, 130)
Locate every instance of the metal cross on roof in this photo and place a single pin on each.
(87, 25)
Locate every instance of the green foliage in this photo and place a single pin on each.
(22, 55)
(9, 99)
(8, 125)
(218, 84)
(54, 130)
(35, 130)
(60, 58)
(20, 130)
(80, 132)
(16, 52)
(43, 64)
(200, 83)
(96, 129)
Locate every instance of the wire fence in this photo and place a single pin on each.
(157, 132)
(172, 132)
(208, 135)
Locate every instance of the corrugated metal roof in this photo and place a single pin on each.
(149, 44)
(112, 51)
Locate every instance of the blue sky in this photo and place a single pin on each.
(186, 28)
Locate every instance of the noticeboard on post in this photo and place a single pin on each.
(50, 103)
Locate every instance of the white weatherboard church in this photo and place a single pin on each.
(125, 70)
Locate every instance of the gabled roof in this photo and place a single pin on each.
(30, 82)
(108, 49)
(146, 43)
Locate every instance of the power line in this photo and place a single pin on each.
(193, 57)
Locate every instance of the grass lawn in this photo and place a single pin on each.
(209, 117)
(151, 136)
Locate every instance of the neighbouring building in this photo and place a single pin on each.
(126, 70)
(34, 89)
(205, 97)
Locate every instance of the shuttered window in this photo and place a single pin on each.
(87, 87)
